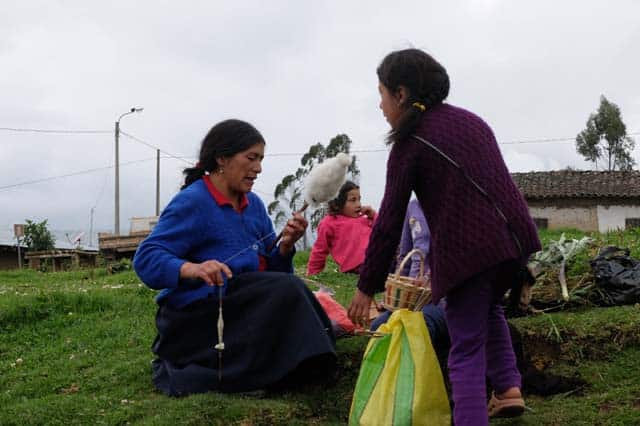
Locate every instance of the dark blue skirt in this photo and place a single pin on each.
(274, 330)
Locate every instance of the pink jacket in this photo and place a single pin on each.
(345, 238)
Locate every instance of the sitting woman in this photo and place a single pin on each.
(210, 242)
(416, 235)
(343, 233)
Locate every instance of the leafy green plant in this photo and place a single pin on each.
(124, 264)
(37, 236)
(556, 255)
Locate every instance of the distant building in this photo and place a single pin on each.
(114, 247)
(142, 224)
(9, 255)
(62, 259)
(585, 200)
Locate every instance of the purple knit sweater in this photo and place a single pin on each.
(467, 234)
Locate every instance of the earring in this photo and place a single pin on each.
(221, 171)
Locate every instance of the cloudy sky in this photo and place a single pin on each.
(300, 71)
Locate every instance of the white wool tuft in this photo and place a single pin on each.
(325, 179)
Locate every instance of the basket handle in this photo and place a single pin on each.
(407, 257)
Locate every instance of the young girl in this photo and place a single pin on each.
(343, 233)
(481, 230)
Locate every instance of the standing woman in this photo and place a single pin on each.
(212, 239)
(481, 230)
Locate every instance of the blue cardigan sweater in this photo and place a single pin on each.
(199, 224)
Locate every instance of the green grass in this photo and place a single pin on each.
(75, 349)
(613, 396)
(629, 238)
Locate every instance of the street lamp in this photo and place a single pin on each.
(117, 213)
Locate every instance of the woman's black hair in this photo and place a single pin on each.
(224, 140)
(337, 204)
(425, 81)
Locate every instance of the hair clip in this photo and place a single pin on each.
(419, 106)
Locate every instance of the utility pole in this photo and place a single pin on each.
(91, 228)
(116, 227)
(18, 231)
(116, 230)
(157, 182)
(19, 254)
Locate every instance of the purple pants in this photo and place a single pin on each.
(480, 343)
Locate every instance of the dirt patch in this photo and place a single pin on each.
(533, 356)
(606, 407)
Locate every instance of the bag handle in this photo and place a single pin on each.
(407, 257)
(478, 187)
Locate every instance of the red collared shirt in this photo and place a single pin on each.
(221, 199)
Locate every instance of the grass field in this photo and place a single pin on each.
(75, 349)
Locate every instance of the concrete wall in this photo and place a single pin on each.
(9, 258)
(8, 261)
(611, 218)
(585, 215)
(140, 224)
(584, 218)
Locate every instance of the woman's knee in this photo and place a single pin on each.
(288, 287)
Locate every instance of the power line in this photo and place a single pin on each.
(55, 131)
(277, 154)
(104, 185)
(516, 142)
(525, 141)
(81, 172)
(184, 159)
(291, 154)
(155, 147)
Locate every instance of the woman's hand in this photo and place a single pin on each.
(359, 308)
(292, 232)
(368, 210)
(210, 271)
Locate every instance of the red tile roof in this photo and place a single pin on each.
(578, 184)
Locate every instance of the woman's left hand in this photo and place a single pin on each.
(291, 233)
(359, 309)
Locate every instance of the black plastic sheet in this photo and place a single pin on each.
(617, 276)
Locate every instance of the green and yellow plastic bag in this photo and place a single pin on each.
(400, 382)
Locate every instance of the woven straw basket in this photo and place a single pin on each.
(400, 292)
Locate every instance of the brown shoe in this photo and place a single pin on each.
(507, 407)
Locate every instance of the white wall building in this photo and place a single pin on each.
(142, 224)
(585, 200)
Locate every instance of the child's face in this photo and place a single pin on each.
(390, 105)
(352, 205)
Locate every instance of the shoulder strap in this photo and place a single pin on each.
(475, 184)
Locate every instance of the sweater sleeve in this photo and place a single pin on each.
(385, 236)
(320, 249)
(159, 257)
(275, 261)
